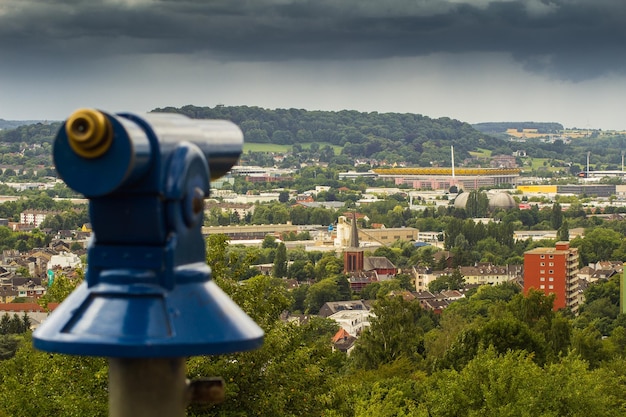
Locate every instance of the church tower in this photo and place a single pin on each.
(353, 255)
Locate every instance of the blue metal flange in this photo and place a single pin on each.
(148, 291)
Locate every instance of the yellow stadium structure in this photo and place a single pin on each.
(448, 171)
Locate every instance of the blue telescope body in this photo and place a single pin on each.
(148, 291)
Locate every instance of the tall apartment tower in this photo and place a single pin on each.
(553, 271)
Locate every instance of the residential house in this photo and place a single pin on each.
(422, 276)
(331, 307)
(430, 301)
(352, 321)
(30, 290)
(443, 257)
(343, 341)
(64, 260)
(601, 274)
(487, 273)
(585, 273)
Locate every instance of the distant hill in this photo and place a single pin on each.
(377, 138)
(502, 127)
(12, 124)
(389, 137)
(36, 132)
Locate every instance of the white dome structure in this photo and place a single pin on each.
(501, 200)
(461, 200)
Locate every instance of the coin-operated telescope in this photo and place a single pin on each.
(148, 292)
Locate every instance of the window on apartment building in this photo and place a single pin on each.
(542, 287)
(542, 256)
(543, 271)
(551, 256)
(551, 287)
(551, 279)
(542, 279)
(551, 264)
(542, 264)
(551, 272)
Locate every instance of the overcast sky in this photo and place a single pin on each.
(473, 60)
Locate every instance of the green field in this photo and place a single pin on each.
(270, 147)
(538, 164)
(481, 153)
(265, 147)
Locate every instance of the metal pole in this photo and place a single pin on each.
(155, 387)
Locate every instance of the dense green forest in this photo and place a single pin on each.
(393, 137)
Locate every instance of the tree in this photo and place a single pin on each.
(320, 293)
(343, 285)
(280, 261)
(597, 245)
(5, 324)
(216, 246)
(512, 384)
(290, 375)
(22, 270)
(477, 204)
(269, 242)
(328, 266)
(262, 297)
(79, 384)
(502, 333)
(8, 347)
(454, 281)
(556, 217)
(563, 232)
(301, 270)
(26, 322)
(283, 196)
(60, 289)
(397, 331)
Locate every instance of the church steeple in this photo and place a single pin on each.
(353, 255)
(354, 233)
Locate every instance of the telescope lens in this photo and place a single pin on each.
(80, 128)
(89, 133)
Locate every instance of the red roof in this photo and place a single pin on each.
(26, 307)
(341, 334)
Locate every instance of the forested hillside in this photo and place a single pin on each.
(385, 137)
(393, 137)
(12, 124)
(31, 133)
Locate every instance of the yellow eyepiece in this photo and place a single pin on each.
(89, 133)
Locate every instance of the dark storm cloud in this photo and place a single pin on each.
(572, 39)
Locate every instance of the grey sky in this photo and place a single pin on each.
(475, 60)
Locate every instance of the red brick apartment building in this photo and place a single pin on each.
(553, 271)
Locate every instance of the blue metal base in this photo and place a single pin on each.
(144, 321)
